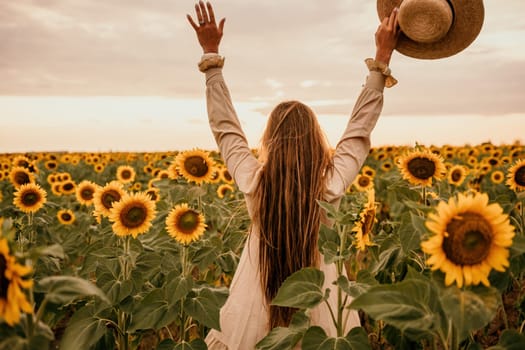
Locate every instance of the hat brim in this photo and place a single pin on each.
(466, 26)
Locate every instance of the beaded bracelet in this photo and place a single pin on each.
(215, 61)
(382, 68)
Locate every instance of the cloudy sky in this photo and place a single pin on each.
(101, 75)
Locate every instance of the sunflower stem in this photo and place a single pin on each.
(182, 335)
(505, 318)
(340, 265)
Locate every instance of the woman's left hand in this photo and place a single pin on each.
(208, 33)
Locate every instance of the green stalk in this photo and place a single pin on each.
(340, 264)
(182, 335)
(123, 316)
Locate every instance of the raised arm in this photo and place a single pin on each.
(352, 149)
(223, 120)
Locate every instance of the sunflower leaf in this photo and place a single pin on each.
(302, 289)
(411, 306)
(65, 289)
(280, 338)
(85, 328)
(152, 312)
(203, 304)
(469, 310)
(195, 344)
(510, 339)
(315, 338)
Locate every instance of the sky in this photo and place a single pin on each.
(121, 75)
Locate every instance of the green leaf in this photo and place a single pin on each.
(410, 232)
(152, 312)
(315, 338)
(85, 328)
(302, 289)
(518, 245)
(411, 306)
(195, 344)
(353, 288)
(65, 289)
(178, 287)
(204, 303)
(286, 337)
(469, 310)
(358, 339)
(510, 339)
(331, 210)
(281, 338)
(54, 250)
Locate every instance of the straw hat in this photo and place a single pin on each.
(435, 28)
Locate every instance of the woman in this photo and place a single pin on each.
(295, 168)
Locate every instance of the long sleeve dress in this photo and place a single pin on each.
(244, 316)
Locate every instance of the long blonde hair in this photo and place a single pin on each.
(296, 160)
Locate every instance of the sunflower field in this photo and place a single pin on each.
(137, 250)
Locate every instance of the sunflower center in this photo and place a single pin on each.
(109, 197)
(456, 175)
(126, 174)
(196, 166)
(469, 239)
(30, 198)
(422, 168)
(4, 282)
(188, 222)
(364, 181)
(87, 193)
(68, 186)
(21, 178)
(519, 177)
(66, 217)
(133, 215)
(227, 175)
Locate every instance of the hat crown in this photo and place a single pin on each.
(425, 21)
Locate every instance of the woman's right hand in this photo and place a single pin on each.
(386, 37)
(208, 33)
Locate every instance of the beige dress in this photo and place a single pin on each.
(244, 316)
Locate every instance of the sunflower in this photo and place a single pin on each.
(66, 216)
(419, 167)
(98, 168)
(185, 224)
(367, 218)
(497, 177)
(363, 182)
(226, 176)
(224, 189)
(29, 198)
(68, 187)
(104, 197)
(368, 171)
(132, 214)
(470, 237)
(85, 192)
(516, 176)
(153, 193)
(162, 174)
(457, 174)
(216, 175)
(125, 174)
(196, 166)
(51, 164)
(387, 165)
(21, 161)
(20, 176)
(12, 299)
